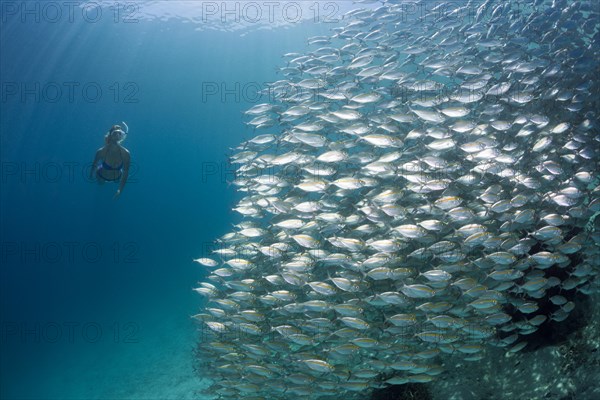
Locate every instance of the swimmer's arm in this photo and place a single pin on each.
(126, 162)
(95, 163)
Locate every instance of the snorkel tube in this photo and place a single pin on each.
(123, 132)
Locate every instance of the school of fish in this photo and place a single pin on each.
(424, 184)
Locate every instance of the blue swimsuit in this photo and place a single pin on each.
(104, 166)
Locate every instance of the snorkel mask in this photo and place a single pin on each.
(116, 134)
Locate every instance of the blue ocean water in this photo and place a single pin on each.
(95, 293)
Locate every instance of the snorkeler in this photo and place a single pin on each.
(115, 159)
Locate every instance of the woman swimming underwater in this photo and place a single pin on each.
(112, 160)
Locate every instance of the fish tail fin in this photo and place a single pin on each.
(328, 275)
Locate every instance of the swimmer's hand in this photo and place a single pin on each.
(116, 196)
